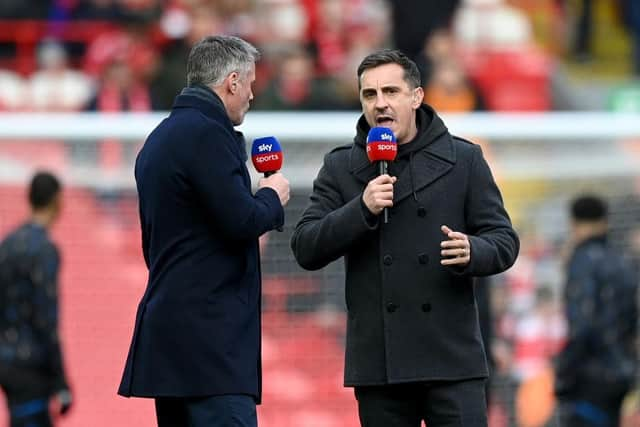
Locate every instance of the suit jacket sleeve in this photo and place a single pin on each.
(329, 225)
(494, 243)
(220, 177)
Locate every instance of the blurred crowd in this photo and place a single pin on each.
(130, 55)
(310, 50)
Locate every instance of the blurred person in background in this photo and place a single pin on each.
(24, 9)
(598, 364)
(415, 20)
(104, 10)
(492, 24)
(280, 24)
(196, 342)
(538, 335)
(501, 380)
(333, 24)
(438, 47)
(329, 36)
(366, 32)
(123, 65)
(31, 363)
(124, 11)
(582, 49)
(12, 91)
(445, 81)
(414, 348)
(55, 86)
(184, 26)
(630, 11)
(238, 16)
(294, 85)
(449, 90)
(124, 87)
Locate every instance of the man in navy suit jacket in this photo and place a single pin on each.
(196, 342)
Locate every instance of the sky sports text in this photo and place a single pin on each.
(265, 147)
(266, 158)
(382, 147)
(386, 137)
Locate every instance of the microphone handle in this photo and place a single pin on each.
(382, 169)
(267, 175)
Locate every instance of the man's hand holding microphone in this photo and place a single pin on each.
(378, 195)
(266, 155)
(279, 183)
(382, 147)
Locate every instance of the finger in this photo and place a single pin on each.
(383, 179)
(461, 243)
(458, 252)
(387, 195)
(454, 261)
(383, 187)
(450, 244)
(456, 235)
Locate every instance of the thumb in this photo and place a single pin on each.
(446, 230)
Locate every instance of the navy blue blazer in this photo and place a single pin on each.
(197, 330)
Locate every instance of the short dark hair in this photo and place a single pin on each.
(588, 208)
(392, 56)
(43, 190)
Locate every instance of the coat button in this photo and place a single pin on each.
(423, 258)
(421, 211)
(387, 260)
(426, 307)
(391, 307)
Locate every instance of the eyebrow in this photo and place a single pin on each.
(383, 88)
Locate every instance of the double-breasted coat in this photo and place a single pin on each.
(197, 329)
(409, 317)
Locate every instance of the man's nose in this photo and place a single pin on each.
(381, 101)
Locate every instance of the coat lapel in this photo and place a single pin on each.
(360, 166)
(428, 165)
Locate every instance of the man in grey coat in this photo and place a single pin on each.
(414, 350)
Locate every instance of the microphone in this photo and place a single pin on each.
(382, 147)
(267, 157)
